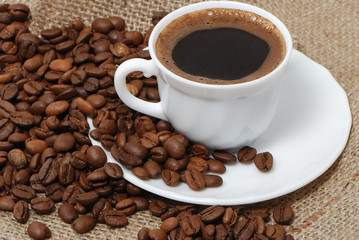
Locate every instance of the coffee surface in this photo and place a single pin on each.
(220, 53)
(220, 46)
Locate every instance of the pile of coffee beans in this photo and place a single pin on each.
(49, 85)
(218, 222)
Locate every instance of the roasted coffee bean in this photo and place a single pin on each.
(174, 148)
(66, 173)
(113, 170)
(6, 128)
(126, 206)
(78, 160)
(216, 166)
(229, 217)
(7, 203)
(212, 180)
(22, 119)
(169, 177)
(17, 159)
(283, 214)
(252, 212)
(96, 100)
(49, 171)
(199, 150)
(191, 225)
(246, 154)
(99, 208)
(194, 179)
(212, 214)
(244, 229)
(9, 91)
(173, 164)
(23, 192)
(83, 224)
(153, 169)
(9, 175)
(140, 202)
(96, 156)
(141, 173)
(115, 218)
(54, 192)
(23, 176)
(157, 234)
(97, 178)
(133, 190)
(87, 198)
(275, 232)
(264, 161)
(36, 184)
(35, 146)
(56, 108)
(21, 211)
(67, 213)
(38, 231)
(259, 225)
(157, 207)
(143, 234)
(224, 157)
(42, 205)
(197, 163)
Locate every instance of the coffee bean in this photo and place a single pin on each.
(60, 65)
(173, 164)
(212, 214)
(64, 142)
(191, 225)
(199, 150)
(42, 205)
(223, 232)
(102, 25)
(49, 171)
(140, 202)
(143, 234)
(157, 234)
(197, 163)
(153, 169)
(9, 91)
(67, 213)
(212, 180)
(83, 224)
(6, 128)
(229, 217)
(113, 170)
(17, 159)
(194, 179)
(216, 166)
(96, 156)
(126, 206)
(252, 212)
(35, 146)
(157, 207)
(54, 192)
(259, 225)
(115, 218)
(23, 192)
(174, 148)
(276, 232)
(224, 157)
(244, 229)
(169, 224)
(66, 173)
(169, 177)
(57, 108)
(38, 230)
(141, 173)
(246, 154)
(21, 211)
(283, 214)
(264, 161)
(209, 231)
(7, 203)
(22, 119)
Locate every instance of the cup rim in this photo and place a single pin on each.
(220, 4)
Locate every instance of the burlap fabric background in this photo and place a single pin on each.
(325, 30)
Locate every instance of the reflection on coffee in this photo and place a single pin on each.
(220, 46)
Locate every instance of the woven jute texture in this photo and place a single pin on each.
(325, 30)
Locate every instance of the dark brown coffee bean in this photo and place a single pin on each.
(230, 217)
(191, 224)
(22, 119)
(35, 146)
(113, 170)
(42, 205)
(157, 207)
(212, 214)
(173, 164)
(174, 148)
(57, 108)
(23, 176)
(36, 184)
(54, 192)
(87, 198)
(224, 157)
(96, 156)
(60, 65)
(194, 179)
(38, 231)
(97, 179)
(65, 46)
(244, 229)
(177, 233)
(23, 192)
(126, 206)
(153, 169)
(275, 232)
(264, 161)
(259, 225)
(252, 212)
(51, 33)
(223, 232)
(157, 234)
(67, 213)
(212, 180)
(169, 177)
(144, 124)
(115, 218)
(209, 231)
(83, 224)
(102, 25)
(134, 37)
(48, 171)
(283, 214)
(17, 159)
(141, 173)
(246, 154)
(9, 91)
(143, 234)
(199, 150)
(64, 142)
(66, 173)
(169, 224)
(6, 128)
(289, 237)
(7, 203)
(21, 211)
(99, 208)
(197, 163)
(140, 202)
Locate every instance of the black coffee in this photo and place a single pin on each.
(220, 53)
(220, 46)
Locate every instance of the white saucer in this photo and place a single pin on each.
(307, 135)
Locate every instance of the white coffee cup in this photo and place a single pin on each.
(218, 116)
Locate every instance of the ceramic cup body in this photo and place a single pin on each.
(218, 116)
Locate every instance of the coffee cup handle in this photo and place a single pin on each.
(148, 69)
